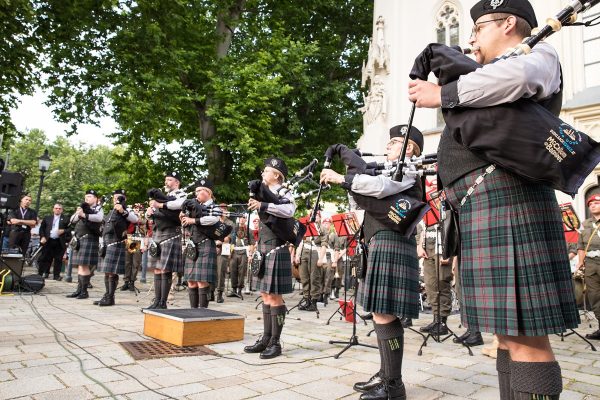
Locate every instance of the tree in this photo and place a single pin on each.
(211, 87)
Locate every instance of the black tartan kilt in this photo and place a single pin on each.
(88, 251)
(514, 267)
(204, 269)
(391, 284)
(278, 271)
(171, 253)
(114, 260)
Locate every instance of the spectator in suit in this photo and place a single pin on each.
(54, 236)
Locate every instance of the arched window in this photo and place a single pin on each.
(447, 33)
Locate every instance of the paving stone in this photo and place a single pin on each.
(185, 390)
(34, 372)
(266, 385)
(72, 393)
(25, 387)
(227, 393)
(452, 386)
(324, 389)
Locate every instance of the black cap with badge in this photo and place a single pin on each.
(92, 192)
(173, 174)
(205, 183)
(277, 164)
(120, 191)
(415, 134)
(520, 8)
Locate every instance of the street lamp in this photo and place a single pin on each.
(44, 165)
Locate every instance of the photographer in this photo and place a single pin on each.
(112, 251)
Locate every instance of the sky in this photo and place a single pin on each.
(32, 113)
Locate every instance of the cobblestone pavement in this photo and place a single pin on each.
(52, 347)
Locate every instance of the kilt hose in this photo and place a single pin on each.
(171, 252)
(514, 267)
(278, 269)
(88, 251)
(391, 284)
(204, 269)
(113, 261)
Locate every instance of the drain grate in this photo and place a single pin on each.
(148, 349)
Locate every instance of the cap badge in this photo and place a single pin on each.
(496, 3)
(274, 163)
(404, 130)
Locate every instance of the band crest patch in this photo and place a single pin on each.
(496, 3)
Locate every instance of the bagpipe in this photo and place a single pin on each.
(524, 137)
(287, 229)
(217, 231)
(400, 212)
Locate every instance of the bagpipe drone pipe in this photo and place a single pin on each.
(524, 137)
(216, 231)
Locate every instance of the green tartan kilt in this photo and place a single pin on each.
(514, 266)
(391, 284)
(278, 270)
(204, 269)
(88, 251)
(171, 252)
(114, 260)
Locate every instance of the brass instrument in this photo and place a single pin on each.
(134, 243)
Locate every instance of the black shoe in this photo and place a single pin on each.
(77, 291)
(57, 278)
(320, 298)
(211, 296)
(462, 337)
(125, 286)
(239, 292)
(304, 303)
(336, 293)
(45, 276)
(154, 304)
(428, 327)
(386, 390)
(69, 279)
(220, 297)
(368, 316)
(593, 335)
(258, 347)
(312, 306)
(106, 301)
(474, 339)
(440, 329)
(161, 305)
(132, 287)
(97, 302)
(232, 293)
(273, 349)
(368, 385)
(325, 300)
(406, 322)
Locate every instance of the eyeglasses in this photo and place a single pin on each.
(394, 141)
(477, 27)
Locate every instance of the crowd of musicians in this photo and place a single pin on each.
(512, 271)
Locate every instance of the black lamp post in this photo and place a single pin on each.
(44, 164)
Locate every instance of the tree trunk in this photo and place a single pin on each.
(219, 161)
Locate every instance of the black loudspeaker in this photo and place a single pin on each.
(11, 187)
(32, 283)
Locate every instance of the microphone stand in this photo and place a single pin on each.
(436, 335)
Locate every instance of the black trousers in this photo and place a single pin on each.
(52, 252)
(20, 239)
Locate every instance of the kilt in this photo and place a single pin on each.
(171, 253)
(204, 269)
(391, 284)
(88, 251)
(114, 260)
(514, 266)
(278, 270)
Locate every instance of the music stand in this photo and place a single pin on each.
(571, 224)
(346, 225)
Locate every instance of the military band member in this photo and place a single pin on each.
(515, 273)
(307, 256)
(277, 276)
(133, 256)
(202, 271)
(21, 220)
(239, 257)
(327, 254)
(429, 249)
(391, 284)
(84, 245)
(166, 256)
(113, 249)
(588, 250)
(338, 268)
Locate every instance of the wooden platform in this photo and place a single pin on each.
(193, 326)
